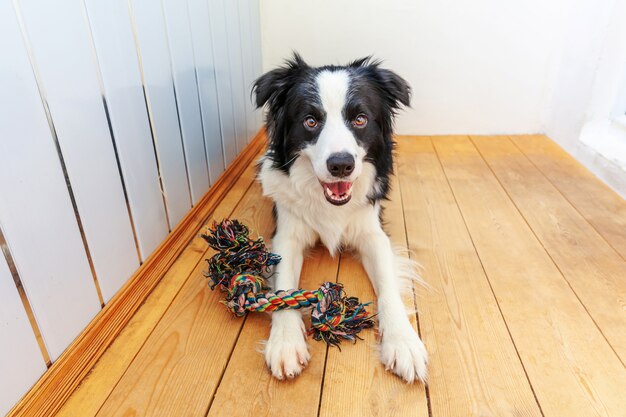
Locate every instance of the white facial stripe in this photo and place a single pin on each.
(335, 136)
(333, 90)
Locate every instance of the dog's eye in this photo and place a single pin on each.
(360, 121)
(310, 122)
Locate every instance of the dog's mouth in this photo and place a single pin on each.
(337, 193)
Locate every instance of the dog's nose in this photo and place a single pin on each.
(340, 164)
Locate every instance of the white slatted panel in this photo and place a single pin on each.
(115, 117)
(21, 363)
(203, 51)
(249, 66)
(68, 77)
(185, 80)
(222, 76)
(147, 19)
(255, 32)
(35, 209)
(236, 72)
(114, 40)
(117, 59)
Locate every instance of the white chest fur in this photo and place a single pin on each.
(301, 194)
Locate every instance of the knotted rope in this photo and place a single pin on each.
(239, 267)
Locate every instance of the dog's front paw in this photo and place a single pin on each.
(403, 353)
(286, 351)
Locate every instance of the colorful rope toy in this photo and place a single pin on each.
(239, 268)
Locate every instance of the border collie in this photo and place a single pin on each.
(327, 168)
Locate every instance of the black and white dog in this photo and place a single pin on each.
(327, 168)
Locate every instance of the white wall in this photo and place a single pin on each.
(578, 54)
(589, 89)
(475, 66)
(481, 67)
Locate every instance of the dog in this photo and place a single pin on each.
(327, 169)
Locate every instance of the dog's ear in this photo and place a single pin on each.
(275, 83)
(396, 89)
(396, 86)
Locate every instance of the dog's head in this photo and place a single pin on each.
(339, 117)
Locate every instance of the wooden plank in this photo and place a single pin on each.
(355, 382)
(594, 270)
(36, 212)
(190, 346)
(253, 7)
(56, 385)
(248, 59)
(239, 95)
(247, 371)
(87, 399)
(121, 91)
(222, 76)
(117, 60)
(606, 211)
(474, 367)
(570, 365)
(207, 88)
(20, 357)
(72, 93)
(185, 80)
(150, 41)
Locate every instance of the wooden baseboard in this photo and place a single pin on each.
(57, 384)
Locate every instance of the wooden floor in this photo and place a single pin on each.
(525, 255)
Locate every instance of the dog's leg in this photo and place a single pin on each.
(401, 351)
(286, 352)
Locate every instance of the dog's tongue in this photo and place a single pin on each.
(339, 188)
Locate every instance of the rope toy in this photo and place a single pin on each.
(239, 268)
